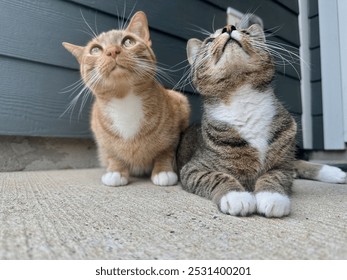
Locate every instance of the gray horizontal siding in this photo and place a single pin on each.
(179, 18)
(291, 5)
(49, 26)
(32, 32)
(30, 101)
(288, 91)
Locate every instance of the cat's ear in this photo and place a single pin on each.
(193, 48)
(139, 26)
(257, 32)
(77, 51)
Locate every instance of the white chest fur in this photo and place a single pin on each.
(250, 113)
(126, 115)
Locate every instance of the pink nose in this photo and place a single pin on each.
(113, 51)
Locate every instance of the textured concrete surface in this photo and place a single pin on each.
(70, 215)
(35, 153)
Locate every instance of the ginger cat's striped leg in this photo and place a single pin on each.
(163, 173)
(117, 174)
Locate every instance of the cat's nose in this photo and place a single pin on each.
(228, 29)
(113, 51)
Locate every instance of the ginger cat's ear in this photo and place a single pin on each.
(77, 51)
(193, 47)
(139, 26)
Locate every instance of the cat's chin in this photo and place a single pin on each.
(117, 72)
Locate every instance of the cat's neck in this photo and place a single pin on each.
(121, 89)
(244, 93)
(242, 104)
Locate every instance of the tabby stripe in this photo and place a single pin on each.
(207, 183)
(278, 133)
(233, 142)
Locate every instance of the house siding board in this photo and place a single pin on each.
(315, 65)
(169, 50)
(291, 5)
(30, 101)
(317, 99)
(288, 91)
(313, 8)
(49, 23)
(316, 79)
(314, 36)
(166, 16)
(318, 138)
(32, 32)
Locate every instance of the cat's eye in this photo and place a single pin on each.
(96, 50)
(128, 42)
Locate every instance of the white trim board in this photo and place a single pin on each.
(331, 75)
(342, 12)
(305, 83)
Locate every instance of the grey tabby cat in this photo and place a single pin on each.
(242, 155)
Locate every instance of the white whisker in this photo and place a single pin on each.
(91, 29)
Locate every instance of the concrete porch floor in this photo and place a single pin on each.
(69, 214)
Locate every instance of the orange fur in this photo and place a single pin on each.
(119, 67)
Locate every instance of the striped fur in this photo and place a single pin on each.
(246, 141)
(242, 154)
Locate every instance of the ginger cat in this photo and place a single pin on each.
(135, 120)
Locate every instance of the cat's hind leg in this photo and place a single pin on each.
(319, 172)
(163, 173)
(272, 193)
(225, 190)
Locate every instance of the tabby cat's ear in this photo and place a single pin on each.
(77, 51)
(193, 48)
(257, 32)
(139, 26)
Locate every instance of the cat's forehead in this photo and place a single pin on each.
(109, 38)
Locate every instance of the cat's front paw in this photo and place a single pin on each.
(238, 203)
(272, 204)
(165, 178)
(331, 174)
(114, 179)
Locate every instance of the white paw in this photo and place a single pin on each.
(165, 178)
(114, 179)
(238, 203)
(331, 174)
(272, 204)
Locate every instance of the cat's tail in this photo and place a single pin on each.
(319, 172)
